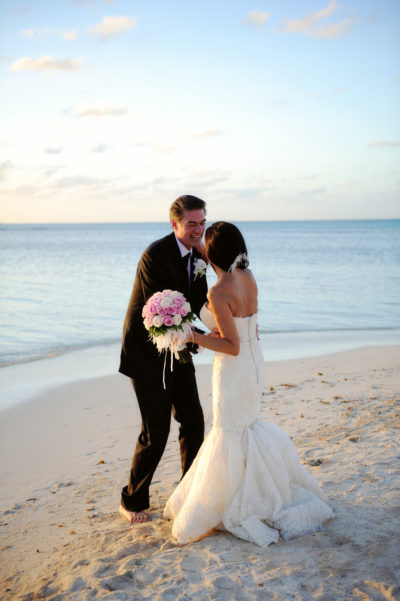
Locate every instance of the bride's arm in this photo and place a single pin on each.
(228, 342)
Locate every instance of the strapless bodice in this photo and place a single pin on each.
(246, 326)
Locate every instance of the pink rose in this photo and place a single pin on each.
(145, 311)
(183, 312)
(178, 302)
(152, 308)
(170, 310)
(161, 311)
(168, 321)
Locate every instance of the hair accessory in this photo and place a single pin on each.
(239, 259)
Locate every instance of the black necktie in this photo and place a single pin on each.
(186, 260)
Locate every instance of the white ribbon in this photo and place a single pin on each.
(173, 341)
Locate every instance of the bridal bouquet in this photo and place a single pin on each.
(167, 316)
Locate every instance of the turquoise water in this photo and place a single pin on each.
(66, 287)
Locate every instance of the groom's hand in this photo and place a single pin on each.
(199, 246)
(192, 346)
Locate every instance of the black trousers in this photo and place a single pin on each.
(156, 404)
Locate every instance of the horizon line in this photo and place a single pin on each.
(3, 223)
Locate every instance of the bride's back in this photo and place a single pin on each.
(241, 292)
(227, 252)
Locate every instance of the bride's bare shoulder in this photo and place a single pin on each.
(218, 293)
(248, 277)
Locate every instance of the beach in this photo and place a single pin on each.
(66, 454)
(129, 131)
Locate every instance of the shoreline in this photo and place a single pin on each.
(21, 382)
(63, 538)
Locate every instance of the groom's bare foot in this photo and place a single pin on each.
(134, 517)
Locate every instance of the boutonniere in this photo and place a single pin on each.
(199, 268)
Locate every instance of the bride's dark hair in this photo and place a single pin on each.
(224, 244)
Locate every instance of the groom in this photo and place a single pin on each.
(166, 264)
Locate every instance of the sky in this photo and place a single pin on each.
(267, 110)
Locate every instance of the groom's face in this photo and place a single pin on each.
(190, 229)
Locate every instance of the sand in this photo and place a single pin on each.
(66, 454)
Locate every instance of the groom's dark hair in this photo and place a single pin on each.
(185, 203)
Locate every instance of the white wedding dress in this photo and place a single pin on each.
(247, 477)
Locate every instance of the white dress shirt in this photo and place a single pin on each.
(184, 251)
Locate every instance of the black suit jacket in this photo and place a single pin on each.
(160, 267)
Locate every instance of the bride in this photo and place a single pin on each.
(247, 477)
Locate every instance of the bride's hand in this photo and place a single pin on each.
(214, 333)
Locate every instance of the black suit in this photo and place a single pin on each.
(160, 267)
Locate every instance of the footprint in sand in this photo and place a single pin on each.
(13, 509)
(315, 462)
(235, 556)
(193, 568)
(80, 563)
(225, 583)
(193, 564)
(172, 594)
(77, 585)
(119, 582)
(59, 485)
(103, 570)
(376, 591)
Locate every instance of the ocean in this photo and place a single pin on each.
(323, 285)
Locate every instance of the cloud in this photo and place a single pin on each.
(57, 150)
(27, 33)
(96, 111)
(163, 149)
(308, 177)
(69, 36)
(101, 148)
(315, 191)
(310, 25)
(256, 18)
(77, 180)
(250, 191)
(305, 24)
(208, 133)
(25, 190)
(49, 171)
(208, 178)
(5, 59)
(111, 26)
(46, 63)
(5, 167)
(161, 180)
(385, 144)
(332, 31)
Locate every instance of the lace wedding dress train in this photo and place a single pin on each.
(247, 477)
